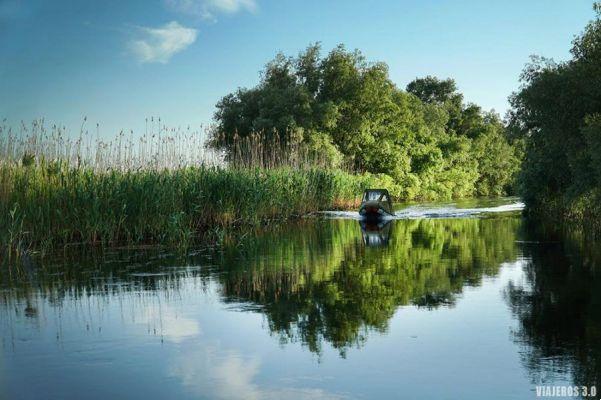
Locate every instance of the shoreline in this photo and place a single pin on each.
(48, 206)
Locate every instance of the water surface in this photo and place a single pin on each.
(457, 301)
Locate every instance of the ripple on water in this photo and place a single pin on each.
(427, 211)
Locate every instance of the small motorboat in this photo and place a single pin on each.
(376, 204)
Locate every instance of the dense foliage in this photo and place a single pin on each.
(558, 113)
(426, 139)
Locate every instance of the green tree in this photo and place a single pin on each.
(433, 90)
(555, 112)
(349, 112)
(441, 92)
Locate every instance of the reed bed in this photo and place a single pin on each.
(272, 150)
(57, 191)
(159, 147)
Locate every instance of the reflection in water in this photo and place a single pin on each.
(386, 303)
(337, 290)
(559, 309)
(211, 373)
(376, 233)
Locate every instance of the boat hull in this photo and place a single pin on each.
(373, 211)
(376, 204)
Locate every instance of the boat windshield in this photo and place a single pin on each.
(372, 196)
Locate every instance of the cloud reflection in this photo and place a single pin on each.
(209, 372)
(169, 324)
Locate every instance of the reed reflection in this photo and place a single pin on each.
(316, 281)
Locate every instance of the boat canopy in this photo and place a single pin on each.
(376, 195)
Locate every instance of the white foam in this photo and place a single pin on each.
(430, 211)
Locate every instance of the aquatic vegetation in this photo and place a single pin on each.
(162, 188)
(44, 206)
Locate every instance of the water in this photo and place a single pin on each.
(467, 305)
(462, 208)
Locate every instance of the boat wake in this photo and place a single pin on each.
(429, 211)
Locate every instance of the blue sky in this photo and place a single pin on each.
(117, 62)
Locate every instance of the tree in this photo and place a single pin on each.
(349, 111)
(433, 90)
(555, 113)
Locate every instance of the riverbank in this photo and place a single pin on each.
(580, 212)
(45, 206)
(560, 179)
(50, 205)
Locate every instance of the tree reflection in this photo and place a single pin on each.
(322, 283)
(316, 281)
(559, 308)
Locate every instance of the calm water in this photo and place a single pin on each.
(438, 304)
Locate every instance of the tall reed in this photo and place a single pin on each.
(159, 147)
(162, 187)
(273, 150)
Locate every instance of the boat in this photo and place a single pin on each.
(376, 204)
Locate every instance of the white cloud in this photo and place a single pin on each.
(208, 9)
(160, 44)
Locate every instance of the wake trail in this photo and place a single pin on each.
(424, 211)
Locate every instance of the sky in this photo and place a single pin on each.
(119, 62)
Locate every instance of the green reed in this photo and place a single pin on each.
(47, 205)
(162, 188)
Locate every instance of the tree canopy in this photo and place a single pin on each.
(558, 113)
(348, 111)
